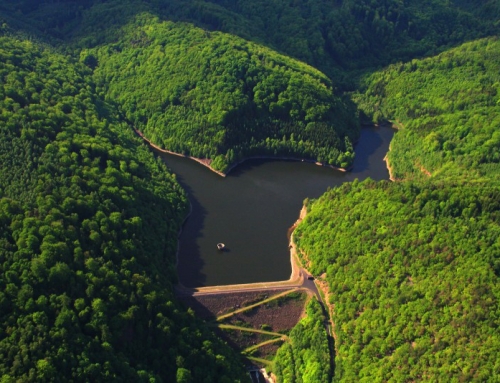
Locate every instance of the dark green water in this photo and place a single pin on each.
(253, 207)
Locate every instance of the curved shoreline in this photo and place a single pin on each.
(203, 162)
(298, 270)
(395, 125)
(389, 167)
(206, 162)
(294, 258)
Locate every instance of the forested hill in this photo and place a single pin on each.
(266, 104)
(306, 358)
(328, 35)
(88, 229)
(212, 95)
(89, 218)
(413, 271)
(413, 266)
(347, 34)
(448, 109)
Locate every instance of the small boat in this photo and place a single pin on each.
(220, 246)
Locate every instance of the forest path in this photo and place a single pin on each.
(259, 303)
(265, 343)
(249, 329)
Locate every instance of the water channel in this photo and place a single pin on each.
(252, 208)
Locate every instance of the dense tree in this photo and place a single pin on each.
(88, 218)
(344, 34)
(413, 272)
(212, 95)
(447, 108)
(306, 358)
(88, 228)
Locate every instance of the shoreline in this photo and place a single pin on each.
(395, 125)
(294, 258)
(292, 245)
(321, 284)
(297, 266)
(206, 161)
(389, 167)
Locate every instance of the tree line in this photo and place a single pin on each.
(89, 218)
(212, 95)
(88, 230)
(413, 265)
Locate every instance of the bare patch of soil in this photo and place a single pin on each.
(266, 351)
(209, 307)
(240, 340)
(280, 315)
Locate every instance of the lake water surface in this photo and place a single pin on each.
(252, 208)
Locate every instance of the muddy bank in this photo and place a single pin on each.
(206, 161)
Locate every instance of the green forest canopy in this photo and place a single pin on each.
(448, 107)
(88, 228)
(212, 95)
(328, 35)
(413, 271)
(306, 358)
(413, 265)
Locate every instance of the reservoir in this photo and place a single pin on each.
(251, 210)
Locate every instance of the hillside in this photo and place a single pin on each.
(88, 229)
(89, 218)
(345, 34)
(332, 37)
(413, 273)
(448, 110)
(413, 266)
(306, 358)
(212, 95)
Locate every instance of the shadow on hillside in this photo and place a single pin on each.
(303, 32)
